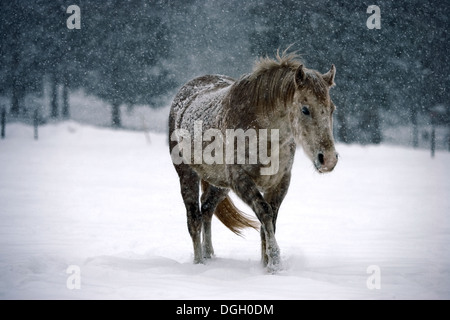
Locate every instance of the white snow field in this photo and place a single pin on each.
(108, 202)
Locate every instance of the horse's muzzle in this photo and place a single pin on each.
(325, 162)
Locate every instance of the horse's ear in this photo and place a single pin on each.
(300, 76)
(329, 76)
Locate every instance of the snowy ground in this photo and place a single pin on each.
(108, 202)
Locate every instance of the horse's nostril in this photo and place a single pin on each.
(320, 158)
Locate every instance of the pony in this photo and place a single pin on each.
(280, 95)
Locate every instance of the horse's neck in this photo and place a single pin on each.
(281, 120)
(285, 125)
(243, 116)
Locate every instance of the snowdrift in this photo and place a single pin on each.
(108, 202)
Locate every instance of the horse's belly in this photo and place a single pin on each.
(214, 174)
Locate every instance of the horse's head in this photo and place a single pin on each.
(314, 116)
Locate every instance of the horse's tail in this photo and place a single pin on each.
(232, 217)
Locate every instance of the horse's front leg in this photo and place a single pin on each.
(274, 197)
(246, 189)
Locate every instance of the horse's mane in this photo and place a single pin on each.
(272, 83)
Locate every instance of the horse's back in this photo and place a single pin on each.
(199, 99)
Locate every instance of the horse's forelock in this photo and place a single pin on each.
(315, 83)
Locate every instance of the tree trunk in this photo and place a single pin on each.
(36, 124)
(375, 134)
(15, 107)
(448, 141)
(433, 140)
(65, 107)
(3, 123)
(54, 100)
(116, 119)
(415, 127)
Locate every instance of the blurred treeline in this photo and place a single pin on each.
(141, 51)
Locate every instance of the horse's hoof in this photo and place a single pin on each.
(199, 261)
(273, 263)
(273, 269)
(208, 256)
(265, 260)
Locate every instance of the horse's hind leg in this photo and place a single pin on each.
(211, 197)
(189, 183)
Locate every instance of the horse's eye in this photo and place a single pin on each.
(305, 111)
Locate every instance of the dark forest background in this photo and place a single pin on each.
(141, 51)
